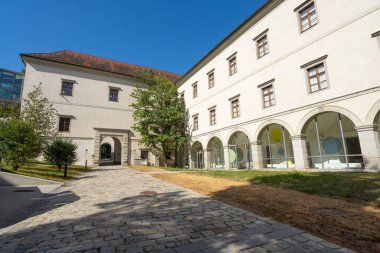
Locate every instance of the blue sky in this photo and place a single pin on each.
(170, 35)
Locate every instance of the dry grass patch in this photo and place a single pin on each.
(353, 224)
(145, 168)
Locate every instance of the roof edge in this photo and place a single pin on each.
(31, 55)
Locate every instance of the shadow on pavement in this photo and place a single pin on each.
(167, 222)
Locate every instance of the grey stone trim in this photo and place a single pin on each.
(298, 137)
(115, 88)
(374, 128)
(261, 34)
(266, 83)
(212, 107)
(68, 80)
(301, 108)
(314, 61)
(234, 97)
(304, 4)
(231, 56)
(208, 73)
(66, 116)
(376, 34)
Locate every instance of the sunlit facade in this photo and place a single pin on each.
(296, 86)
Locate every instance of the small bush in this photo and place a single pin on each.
(61, 152)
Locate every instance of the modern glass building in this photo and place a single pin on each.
(10, 86)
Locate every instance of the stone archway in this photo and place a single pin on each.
(121, 151)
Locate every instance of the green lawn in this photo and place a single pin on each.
(45, 171)
(360, 186)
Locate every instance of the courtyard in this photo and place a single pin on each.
(115, 209)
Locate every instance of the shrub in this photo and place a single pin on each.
(61, 152)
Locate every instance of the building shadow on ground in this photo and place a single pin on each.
(171, 222)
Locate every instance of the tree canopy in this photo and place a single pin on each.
(18, 141)
(160, 115)
(39, 112)
(61, 152)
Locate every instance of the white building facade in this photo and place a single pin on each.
(297, 85)
(92, 99)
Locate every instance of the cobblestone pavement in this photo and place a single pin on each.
(113, 209)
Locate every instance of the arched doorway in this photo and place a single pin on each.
(197, 156)
(276, 147)
(110, 151)
(105, 151)
(215, 154)
(332, 142)
(239, 151)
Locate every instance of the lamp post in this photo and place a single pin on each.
(85, 163)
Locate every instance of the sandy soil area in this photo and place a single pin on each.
(355, 225)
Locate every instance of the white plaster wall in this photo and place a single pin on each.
(89, 105)
(353, 66)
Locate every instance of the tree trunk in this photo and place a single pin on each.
(65, 173)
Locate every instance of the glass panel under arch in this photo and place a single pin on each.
(215, 154)
(239, 151)
(333, 142)
(277, 147)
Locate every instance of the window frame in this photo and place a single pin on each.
(212, 114)
(72, 87)
(141, 152)
(59, 124)
(109, 94)
(317, 75)
(238, 113)
(271, 95)
(211, 79)
(314, 63)
(232, 65)
(195, 89)
(195, 122)
(304, 6)
(258, 47)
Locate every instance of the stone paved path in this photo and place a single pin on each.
(110, 210)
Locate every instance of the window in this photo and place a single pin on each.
(308, 17)
(235, 108)
(183, 97)
(268, 96)
(212, 117)
(195, 123)
(195, 90)
(232, 65)
(262, 46)
(64, 124)
(114, 95)
(144, 154)
(67, 88)
(211, 80)
(317, 77)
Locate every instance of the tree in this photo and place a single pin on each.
(39, 112)
(18, 141)
(160, 115)
(61, 152)
(9, 110)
